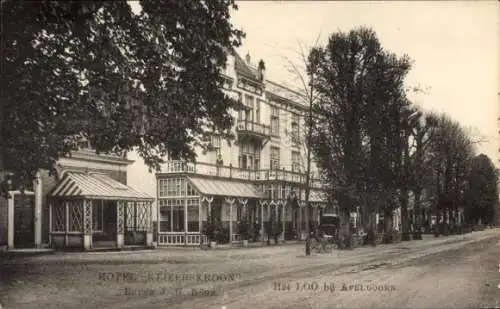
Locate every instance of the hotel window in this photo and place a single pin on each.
(172, 187)
(295, 128)
(275, 121)
(215, 143)
(275, 158)
(295, 161)
(172, 215)
(240, 111)
(249, 101)
(193, 209)
(249, 157)
(257, 111)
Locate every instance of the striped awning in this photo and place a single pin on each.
(219, 187)
(315, 196)
(95, 186)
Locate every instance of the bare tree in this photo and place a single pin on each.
(306, 95)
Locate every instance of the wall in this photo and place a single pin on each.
(48, 183)
(139, 178)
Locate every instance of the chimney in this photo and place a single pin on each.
(247, 58)
(262, 69)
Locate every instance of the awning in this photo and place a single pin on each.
(95, 186)
(232, 188)
(315, 196)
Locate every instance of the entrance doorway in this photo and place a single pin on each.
(24, 221)
(104, 223)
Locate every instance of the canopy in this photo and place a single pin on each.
(207, 186)
(94, 186)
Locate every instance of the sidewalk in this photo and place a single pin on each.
(192, 255)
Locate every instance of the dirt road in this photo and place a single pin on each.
(455, 271)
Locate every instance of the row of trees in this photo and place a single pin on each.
(378, 151)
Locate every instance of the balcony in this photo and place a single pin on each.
(206, 169)
(253, 129)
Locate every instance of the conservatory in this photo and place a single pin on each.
(89, 210)
(186, 201)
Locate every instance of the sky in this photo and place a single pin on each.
(454, 47)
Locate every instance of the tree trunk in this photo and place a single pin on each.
(388, 226)
(344, 229)
(404, 215)
(419, 219)
(373, 228)
(366, 218)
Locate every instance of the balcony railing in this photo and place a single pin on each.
(254, 127)
(172, 167)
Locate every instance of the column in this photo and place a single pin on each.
(50, 223)
(10, 221)
(120, 223)
(209, 213)
(87, 223)
(283, 205)
(245, 215)
(38, 210)
(66, 223)
(209, 201)
(230, 201)
(185, 221)
(261, 219)
(200, 227)
(298, 226)
(158, 221)
(394, 219)
(244, 202)
(149, 227)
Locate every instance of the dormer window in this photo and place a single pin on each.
(83, 144)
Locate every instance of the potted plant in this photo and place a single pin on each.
(209, 231)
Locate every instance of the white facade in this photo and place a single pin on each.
(269, 144)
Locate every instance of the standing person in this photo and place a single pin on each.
(219, 163)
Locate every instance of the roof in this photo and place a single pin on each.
(209, 186)
(95, 186)
(244, 69)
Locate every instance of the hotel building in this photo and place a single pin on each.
(258, 178)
